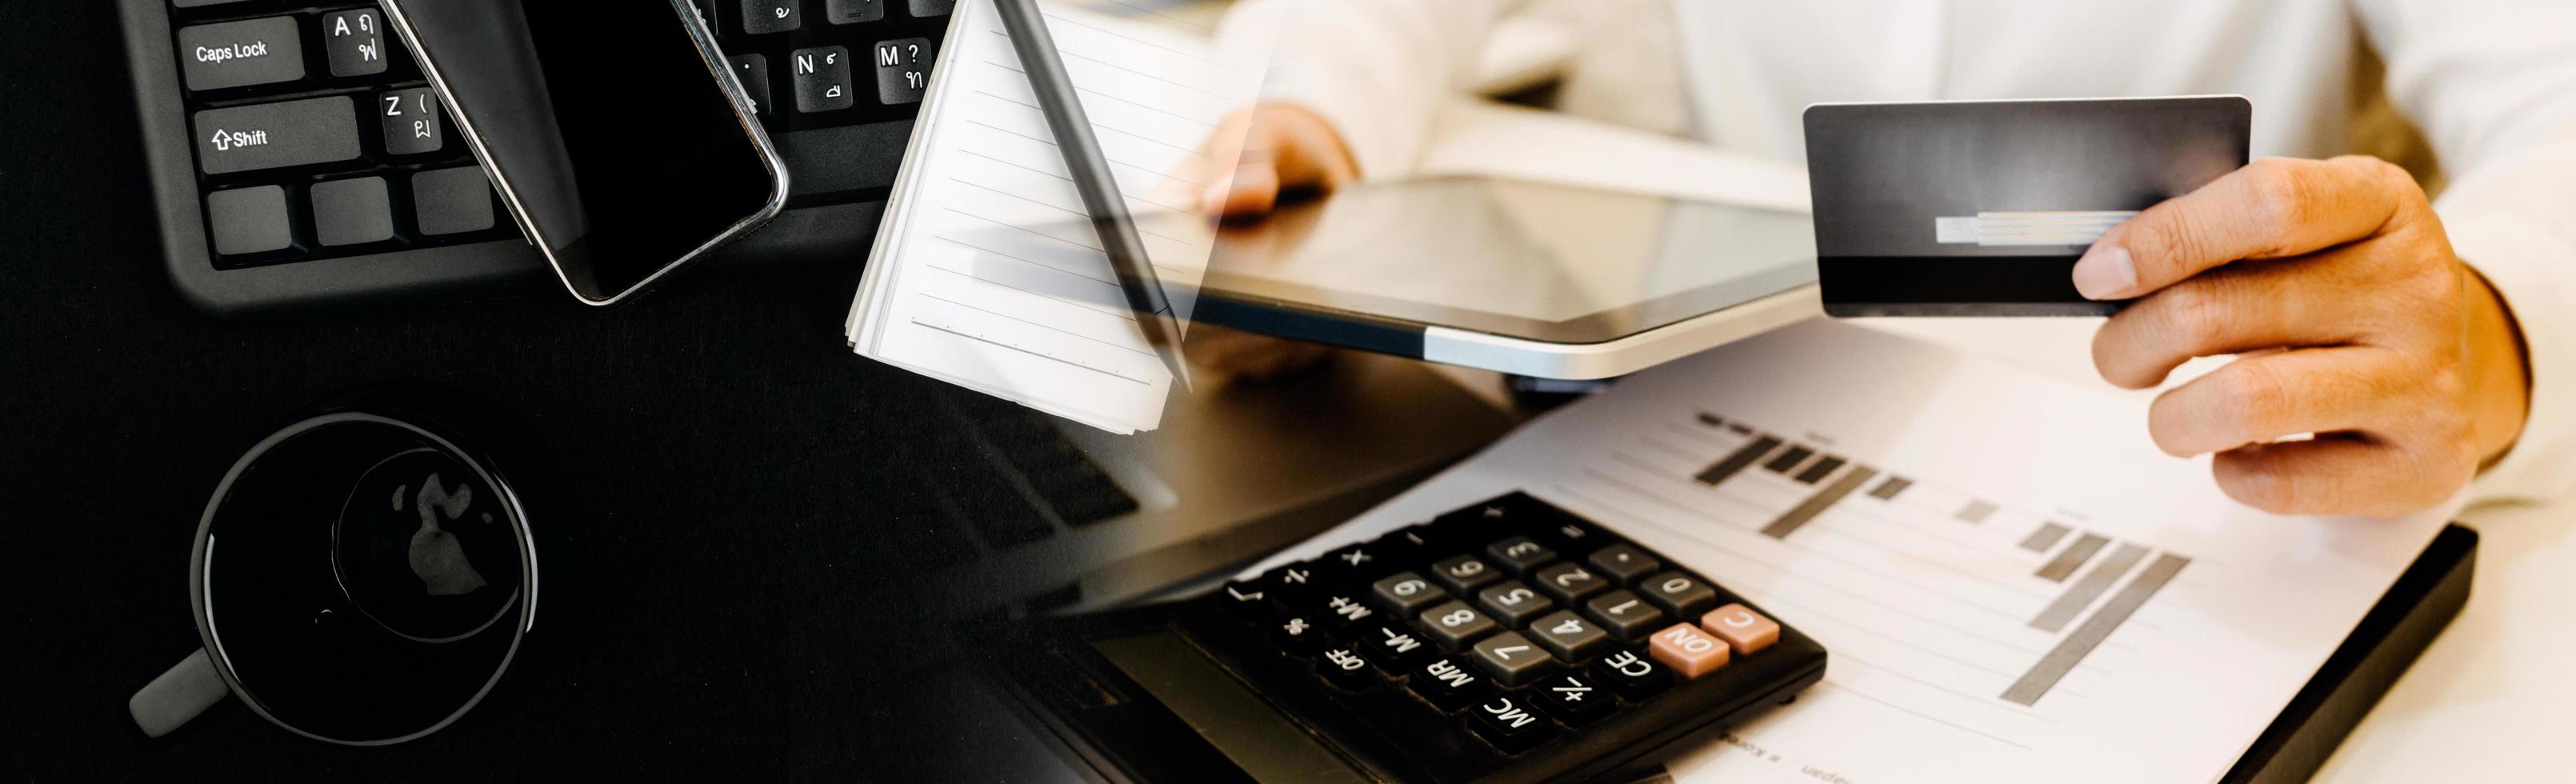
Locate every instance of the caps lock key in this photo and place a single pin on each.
(236, 54)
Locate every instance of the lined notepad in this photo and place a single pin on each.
(986, 273)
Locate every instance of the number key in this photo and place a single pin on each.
(1513, 603)
(1406, 592)
(1519, 554)
(1512, 659)
(1570, 582)
(903, 69)
(1463, 574)
(1683, 594)
(1569, 636)
(1625, 615)
(1455, 624)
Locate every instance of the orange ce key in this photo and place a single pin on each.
(1687, 650)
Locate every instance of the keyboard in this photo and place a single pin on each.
(300, 160)
(1508, 640)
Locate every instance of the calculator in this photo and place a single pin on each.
(1507, 641)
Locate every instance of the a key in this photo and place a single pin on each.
(1519, 554)
(933, 7)
(1569, 534)
(853, 11)
(903, 69)
(1632, 675)
(352, 212)
(1510, 721)
(1743, 629)
(1624, 563)
(452, 201)
(1406, 593)
(1454, 624)
(1463, 574)
(1571, 637)
(1344, 610)
(1512, 659)
(771, 16)
(1688, 650)
(1626, 615)
(1296, 634)
(1569, 582)
(1681, 593)
(1402, 546)
(822, 79)
(354, 43)
(237, 54)
(249, 220)
(1361, 561)
(1513, 603)
(1290, 582)
(1245, 600)
(1516, 511)
(753, 72)
(1395, 647)
(410, 121)
(1343, 666)
(1576, 699)
(1450, 683)
(277, 135)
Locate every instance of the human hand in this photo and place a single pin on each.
(2352, 318)
(1254, 156)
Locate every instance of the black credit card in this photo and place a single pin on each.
(1980, 208)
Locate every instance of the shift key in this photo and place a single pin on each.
(275, 135)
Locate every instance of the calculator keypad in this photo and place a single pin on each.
(1519, 621)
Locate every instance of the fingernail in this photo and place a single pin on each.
(2105, 272)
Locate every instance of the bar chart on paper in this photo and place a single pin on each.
(2011, 582)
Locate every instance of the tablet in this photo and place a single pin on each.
(1515, 276)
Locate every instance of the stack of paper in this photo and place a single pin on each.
(986, 271)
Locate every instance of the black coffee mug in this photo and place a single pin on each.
(361, 577)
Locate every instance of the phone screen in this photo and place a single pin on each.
(604, 124)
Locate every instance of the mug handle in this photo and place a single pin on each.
(175, 698)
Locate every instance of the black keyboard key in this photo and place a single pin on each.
(1512, 659)
(1246, 600)
(352, 212)
(1296, 634)
(237, 54)
(1513, 603)
(1362, 561)
(1569, 636)
(1626, 615)
(1633, 675)
(1455, 624)
(1346, 611)
(1569, 582)
(354, 42)
(1681, 593)
(845, 158)
(1511, 722)
(1399, 549)
(1395, 647)
(1450, 683)
(853, 11)
(249, 220)
(1406, 593)
(903, 69)
(195, 3)
(822, 79)
(1289, 583)
(1519, 554)
(1576, 699)
(452, 201)
(1343, 666)
(1464, 574)
(1624, 562)
(933, 7)
(771, 16)
(275, 135)
(410, 121)
(753, 71)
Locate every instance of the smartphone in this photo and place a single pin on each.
(613, 131)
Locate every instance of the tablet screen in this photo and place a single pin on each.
(1532, 260)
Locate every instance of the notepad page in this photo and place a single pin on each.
(2011, 582)
(987, 273)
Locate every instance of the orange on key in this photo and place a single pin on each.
(1742, 628)
(1687, 650)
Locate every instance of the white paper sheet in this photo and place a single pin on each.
(1935, 623)
(986, 272)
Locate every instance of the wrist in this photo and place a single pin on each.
(2499, 374)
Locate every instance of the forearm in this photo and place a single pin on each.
(1376, 69)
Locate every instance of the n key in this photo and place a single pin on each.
(822, 77)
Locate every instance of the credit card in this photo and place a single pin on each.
(1980, 208)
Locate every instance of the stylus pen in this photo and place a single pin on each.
(1091, 176)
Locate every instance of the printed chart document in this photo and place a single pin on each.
(986, 272)
(2012, 583)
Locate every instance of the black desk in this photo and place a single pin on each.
(723, 448)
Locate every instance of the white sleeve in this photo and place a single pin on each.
(1375, 69)
(2493, 85)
